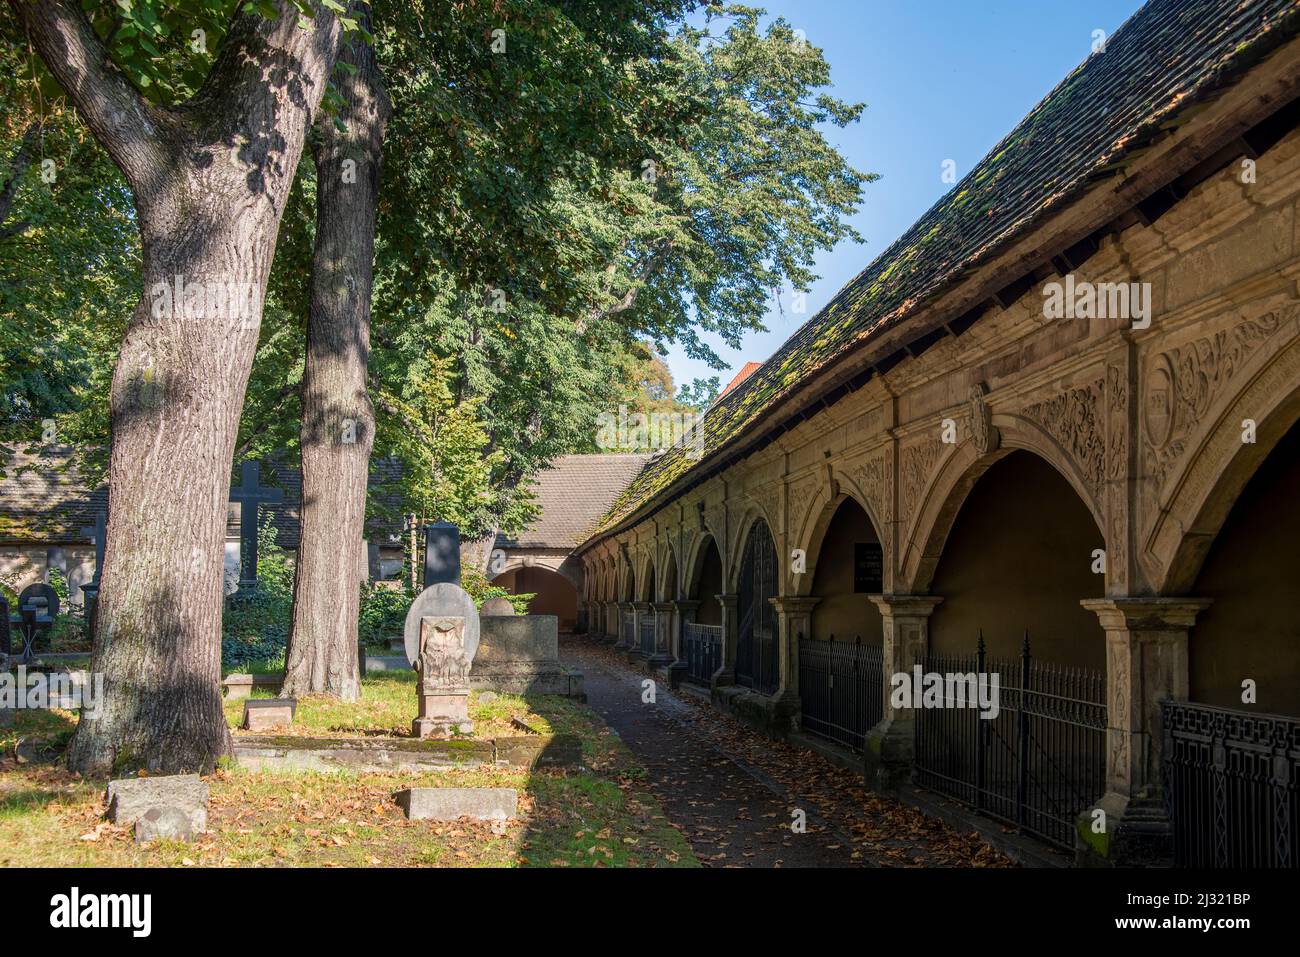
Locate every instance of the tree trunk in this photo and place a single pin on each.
(210, 180)
(337, 416)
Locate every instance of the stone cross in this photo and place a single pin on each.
(250, 494)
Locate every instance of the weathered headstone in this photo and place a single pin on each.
(130, 799)
(263, 714)
(97, 534)
(374, 568)
(164, 823)
(441, 639)
(250, 494)
(441, 554)
(449, 804)
(497, 607)
(38, 606)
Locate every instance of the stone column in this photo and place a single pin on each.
(887, 755)
(730, 635)
(1146, 663)
(794, 618)
(664, 612)
(620, 610)
(611, 621)
(685, 611)
(639, 611)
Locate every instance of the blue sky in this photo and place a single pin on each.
(942, 79)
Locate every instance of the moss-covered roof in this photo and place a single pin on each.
(1167, 56)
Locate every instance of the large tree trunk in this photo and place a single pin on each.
(210, 181)
(337, 416)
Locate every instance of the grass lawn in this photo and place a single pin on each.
(600, 815)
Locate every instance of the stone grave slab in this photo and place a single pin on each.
(450, 804)
(129, 799)
(265, 714)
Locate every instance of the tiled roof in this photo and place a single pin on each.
(573, 494)
(42, 499)
(1167, 56)
(747, 370)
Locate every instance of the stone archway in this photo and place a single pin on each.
(845, 564)
(554, 594)
(1020, 554)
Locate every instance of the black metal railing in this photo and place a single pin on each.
(1231, 781)
(648, 619)
(702, 645)
(1038, 763)
(628, 636)
(841, 689)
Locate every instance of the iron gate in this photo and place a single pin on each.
(756, 644)
(1231, 781)
(1037, 764)
(841, 689)
(703, 646)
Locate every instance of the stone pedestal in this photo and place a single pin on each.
(442, 715)
(623, 608)
(1146, 663)
(794, 618)
(683, 612)
(888, 752)
(640, 609)
(664, 611)
(730, 636)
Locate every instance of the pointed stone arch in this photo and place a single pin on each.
(812, 532)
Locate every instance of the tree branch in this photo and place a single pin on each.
(123, 122)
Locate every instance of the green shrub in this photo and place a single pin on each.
(256, 627)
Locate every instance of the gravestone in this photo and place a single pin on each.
(441, 639)
(97, 534)
(129, 799)
(6, 642)
(38, 606)
(374, 568)
(497, 607)
(250, 494)
(264, 714)
(450, 804)
(441, 554)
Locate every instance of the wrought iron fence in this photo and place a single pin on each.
(1231, 783)
(703, 647)
(629, 623)
(1037, 764)
(648, 632)
(841, 689)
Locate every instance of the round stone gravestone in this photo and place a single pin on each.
(498, 607)
(41, 590)
(442, 599)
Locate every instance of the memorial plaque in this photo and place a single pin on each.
(868, 568)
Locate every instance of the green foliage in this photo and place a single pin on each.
(256, 627)
(699, 394)
(480, 589)
(383, 613)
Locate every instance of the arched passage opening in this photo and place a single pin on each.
(757, 639)
(553, 593)
(841, 679)
(1019, 558)
(849, 567)
(1251, 631)
(702, 630)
